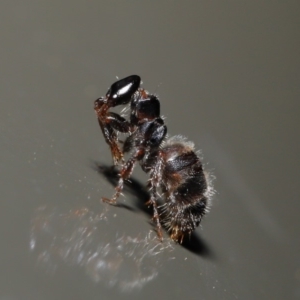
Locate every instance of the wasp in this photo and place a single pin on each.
(176, 176)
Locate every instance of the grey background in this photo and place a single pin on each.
(227, 73)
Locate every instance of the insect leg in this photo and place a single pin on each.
(125, 173)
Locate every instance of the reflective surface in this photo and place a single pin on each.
(80, 238)
(227, 75)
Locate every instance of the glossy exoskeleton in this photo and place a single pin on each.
(175, 170)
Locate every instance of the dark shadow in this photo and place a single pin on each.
(141, 195)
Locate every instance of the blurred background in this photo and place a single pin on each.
(227, 74)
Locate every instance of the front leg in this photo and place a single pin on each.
(124, 174)
(112, 139)
(111, 123)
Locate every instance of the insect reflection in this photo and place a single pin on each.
(79, 237)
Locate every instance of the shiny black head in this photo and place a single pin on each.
(121, 91)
